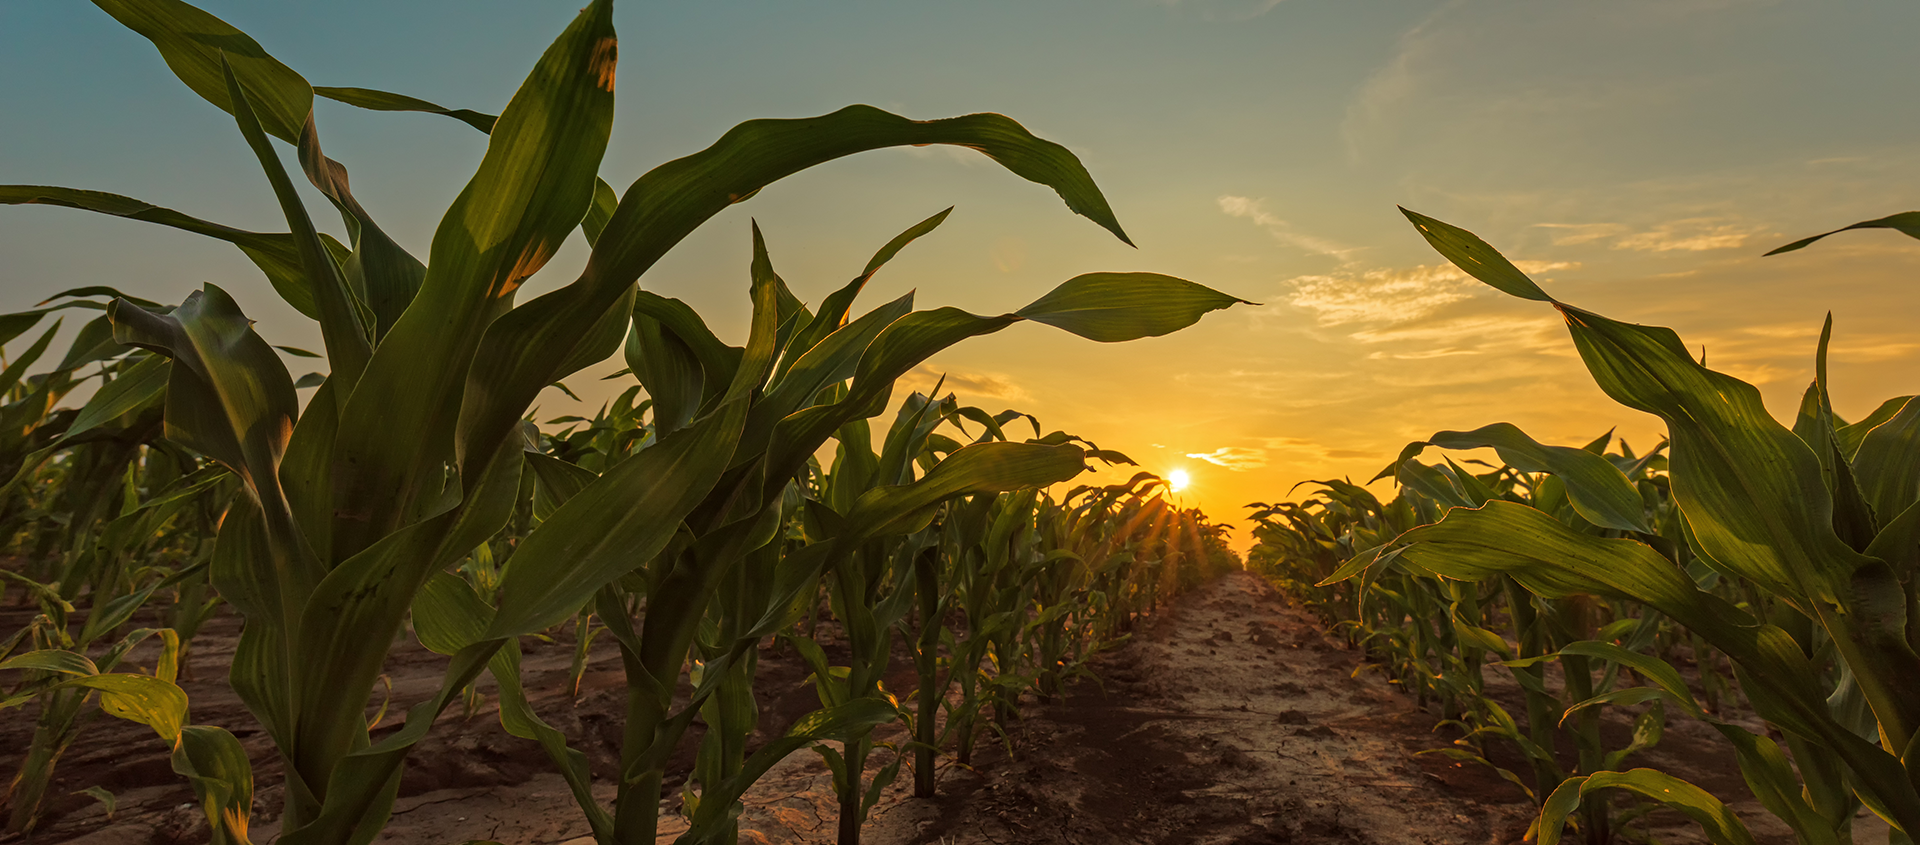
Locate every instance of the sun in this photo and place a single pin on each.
(1178, 480)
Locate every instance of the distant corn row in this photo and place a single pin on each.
(1788, 555)
(411, 489)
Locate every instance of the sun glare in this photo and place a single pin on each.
(1177, 481)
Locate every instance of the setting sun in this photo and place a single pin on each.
(1178, 480)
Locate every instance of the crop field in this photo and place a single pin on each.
(769, 593)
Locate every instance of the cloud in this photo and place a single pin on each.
(1394, 83)
(1233, 458)
(973, 385)
(1282, 231)
(1694, 234)
(1536, 333)
(1393, 295)
(1579, 233)
(1691, 235)
(1380, 296)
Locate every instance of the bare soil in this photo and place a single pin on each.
(1231, 718)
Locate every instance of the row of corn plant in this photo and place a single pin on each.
(1438, 637)
(1814, 522)
(412, 454)
(109, 518)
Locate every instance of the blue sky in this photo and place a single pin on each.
(1641, 155)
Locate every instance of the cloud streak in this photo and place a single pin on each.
(1393, 295)
(1233, 458)
(1255, 210)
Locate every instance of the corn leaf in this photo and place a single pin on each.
(1116, 307)
(1598, 490)
(368, 98)
(1481, 261)
(151, 701)
(1906, 222)
(614, 524)
(1888, 462)
(216, 765)
(1552, 560)
(51, 660)
(275, 254)
(193, 42)
(531, 189)
(348, 342)
(1720, 824)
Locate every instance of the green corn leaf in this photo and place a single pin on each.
(193, 43)
(17, 368)
(834, 309)
(348, 342)
(1468, 252)
(216, 765)
(1906, 222)
(667, 366)
(1776, 785)
(93, 342)
(353, 614)
(555, 482)
(980, 468)
(275, 254)
(533, 186)
(139, 385)
(448, 615)
(368, 98)
(614, 524)
(1720, 824)
(1887, 462)
(1658, 672)
(229, 397)
(1597, 489)
(834, 358)
(1116, 307)
(1738, 473)
(1849, 436)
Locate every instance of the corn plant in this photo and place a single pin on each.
(114, 517)
(1435, 636)
(410, 454)
(1820, 523)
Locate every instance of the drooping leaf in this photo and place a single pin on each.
(368, 98)
(1906, 222)
(275, 254)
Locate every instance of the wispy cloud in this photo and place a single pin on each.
(1233, 457)
(1565, 234)
(1696, 234)
(976, 385)
(1393, 295)
(1255, 210)
(1480, 331)
(1693, 234)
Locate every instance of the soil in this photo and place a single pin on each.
(1230, 718)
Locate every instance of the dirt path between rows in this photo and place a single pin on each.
(1230, 718)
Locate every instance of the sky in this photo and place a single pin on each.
(1636, 156)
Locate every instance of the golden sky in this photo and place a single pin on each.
(1636, 156)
